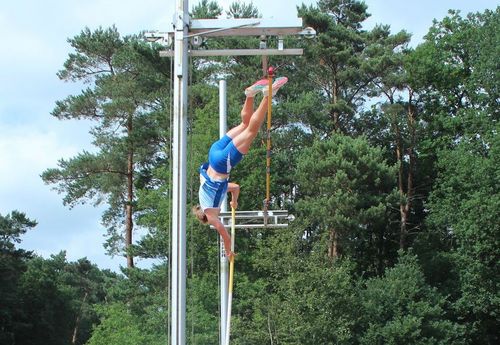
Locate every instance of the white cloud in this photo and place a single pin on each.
(77, 232)
(129, 16)
(27, 151)
(25, 42)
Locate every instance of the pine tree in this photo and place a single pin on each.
(127, 104)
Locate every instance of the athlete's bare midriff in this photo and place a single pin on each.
(215, 175)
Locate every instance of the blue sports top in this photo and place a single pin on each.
(212, 191)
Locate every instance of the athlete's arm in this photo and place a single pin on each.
(234, 189)
(213, 219)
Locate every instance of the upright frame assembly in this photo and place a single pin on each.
(224, 264)
(184, 28)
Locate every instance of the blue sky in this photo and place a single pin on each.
(34, 47)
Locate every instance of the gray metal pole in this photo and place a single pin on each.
(223, 259)
(179, 146)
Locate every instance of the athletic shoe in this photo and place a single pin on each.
(257, 87)
(279, 82)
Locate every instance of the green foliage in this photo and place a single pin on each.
(127, 101)
(345, 61)
(203, 307)
(47, 300)
(456, 67)
(318, 305)
(461, 107)
(400, 307)
(206, 10)
(12, 226)
(345, 186)
(13, 264)
(118, 327)
(48, 307)
(242, 10)
(465, 210)
(153, 214)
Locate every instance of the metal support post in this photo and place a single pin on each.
(179, 145)
(223, 258)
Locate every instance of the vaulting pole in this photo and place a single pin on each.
(268, 133)
(179, 146)
(231, 275)
(270, 76)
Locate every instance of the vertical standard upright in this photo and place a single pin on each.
(223, 258)
(179, 146)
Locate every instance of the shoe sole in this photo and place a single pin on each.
(256, 87)
(278, 83)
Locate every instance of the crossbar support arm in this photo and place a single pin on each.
(237, 52)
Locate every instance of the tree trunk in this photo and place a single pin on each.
(382, 253)
(402, 199)
(78, 319)
(129, 225)
(269, 328)
(411, 168)
(333, 246)
(406, 197)
(336, 123)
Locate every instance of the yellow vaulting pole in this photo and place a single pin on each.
(231, 275)
(270, 76)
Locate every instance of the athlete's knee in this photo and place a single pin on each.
(245, 116)
(255, 124)
(251, 132)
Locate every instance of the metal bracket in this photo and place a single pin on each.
(201, 28)
(218, 31)
(245, 27)
(255, 219)
(236, 52)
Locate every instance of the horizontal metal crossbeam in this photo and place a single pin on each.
(257, 219)
(236, 52)
(245, 27)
